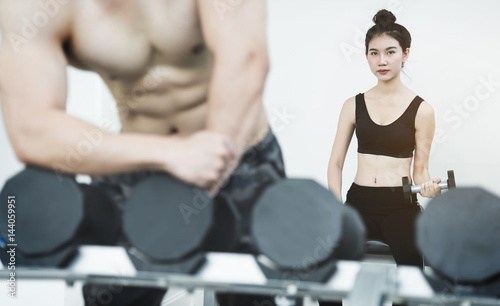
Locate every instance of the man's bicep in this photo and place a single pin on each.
(230, 26)
(34, 78)
(32, 60)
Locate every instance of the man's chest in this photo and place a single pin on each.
(123, 38)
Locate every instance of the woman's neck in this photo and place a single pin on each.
(389, 87)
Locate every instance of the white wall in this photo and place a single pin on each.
(317, 55)
(317, 58)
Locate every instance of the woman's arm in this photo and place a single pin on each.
(345, 129)
(425, 126)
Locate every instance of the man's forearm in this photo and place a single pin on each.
(235, 97)
(58, 141)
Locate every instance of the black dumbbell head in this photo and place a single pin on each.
(296, 223)
(48, 210)
(407, 188)
(451, 180)
(167, 219)
(458, 234)
(353, 237)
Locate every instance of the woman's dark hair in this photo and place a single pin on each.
(385, 23)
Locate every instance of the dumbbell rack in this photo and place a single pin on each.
(362, 284)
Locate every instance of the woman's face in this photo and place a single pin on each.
(385, 57)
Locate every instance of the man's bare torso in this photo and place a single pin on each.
(152, 56)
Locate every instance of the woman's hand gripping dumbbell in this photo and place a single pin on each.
(409, 189)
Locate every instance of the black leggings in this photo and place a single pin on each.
(389, 218)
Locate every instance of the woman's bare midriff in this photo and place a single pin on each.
(381, 171)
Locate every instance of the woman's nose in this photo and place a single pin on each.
(382, 61)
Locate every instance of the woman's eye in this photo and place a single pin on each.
(391, 52)
(374, 53)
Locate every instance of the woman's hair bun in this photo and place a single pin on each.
(384, 18)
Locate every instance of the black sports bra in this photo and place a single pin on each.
(396, 139)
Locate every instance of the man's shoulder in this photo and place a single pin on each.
(31, 20)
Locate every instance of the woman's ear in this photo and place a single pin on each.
(406, 54)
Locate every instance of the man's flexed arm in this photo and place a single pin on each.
(33, 88)
(235, 31)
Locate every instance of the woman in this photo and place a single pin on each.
(391, 123)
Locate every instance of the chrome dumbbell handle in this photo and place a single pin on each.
(417, 188)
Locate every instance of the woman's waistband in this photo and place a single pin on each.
(380, 199)
(392, 189)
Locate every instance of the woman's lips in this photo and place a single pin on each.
(383, 71)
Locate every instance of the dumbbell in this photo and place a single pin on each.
(458, 234)
(53, 215)
(168, 224)
(166, 221)
(297, 227)
(408, 189)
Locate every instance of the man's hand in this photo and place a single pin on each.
(214, 188)
(201, 159)
(430, 189)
